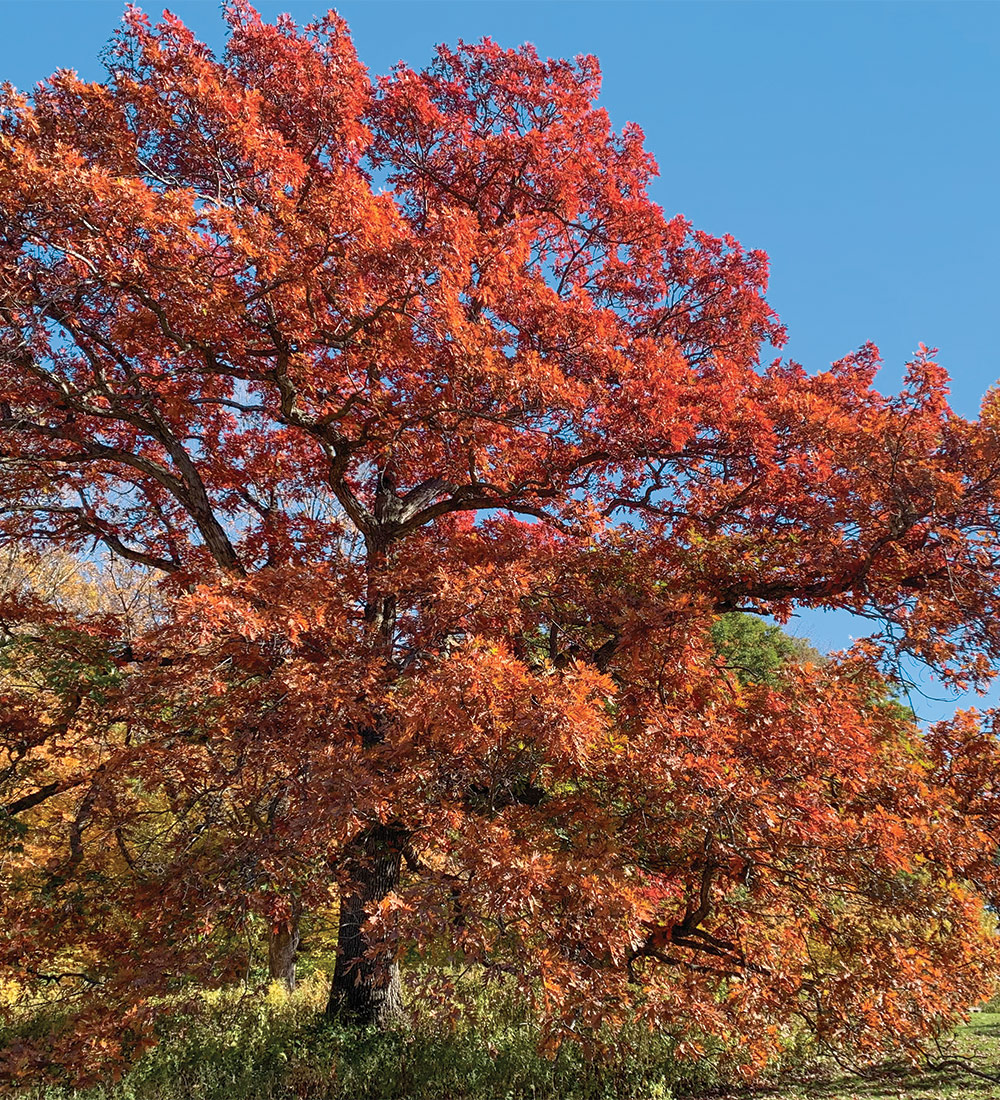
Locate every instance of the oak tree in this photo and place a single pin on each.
(449, 447)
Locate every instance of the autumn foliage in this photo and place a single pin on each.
(445, 449)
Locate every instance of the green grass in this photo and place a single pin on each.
(275, 1047)
(269, 1046)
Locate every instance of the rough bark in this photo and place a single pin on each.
(282, 948)
(366, 983)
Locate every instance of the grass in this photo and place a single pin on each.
(275, 1047)
(978, 1043)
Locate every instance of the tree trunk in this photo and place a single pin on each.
(366, 984)
(282, 947)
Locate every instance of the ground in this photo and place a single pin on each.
(978, 1042)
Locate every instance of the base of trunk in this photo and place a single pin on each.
(366, 984)
(366, 1005)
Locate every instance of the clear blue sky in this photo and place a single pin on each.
(856, 143)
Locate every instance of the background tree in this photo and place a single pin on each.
(450, 448)
(755, 651)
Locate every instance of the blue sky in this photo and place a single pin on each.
(856, 143)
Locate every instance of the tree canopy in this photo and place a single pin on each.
(448, 448)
